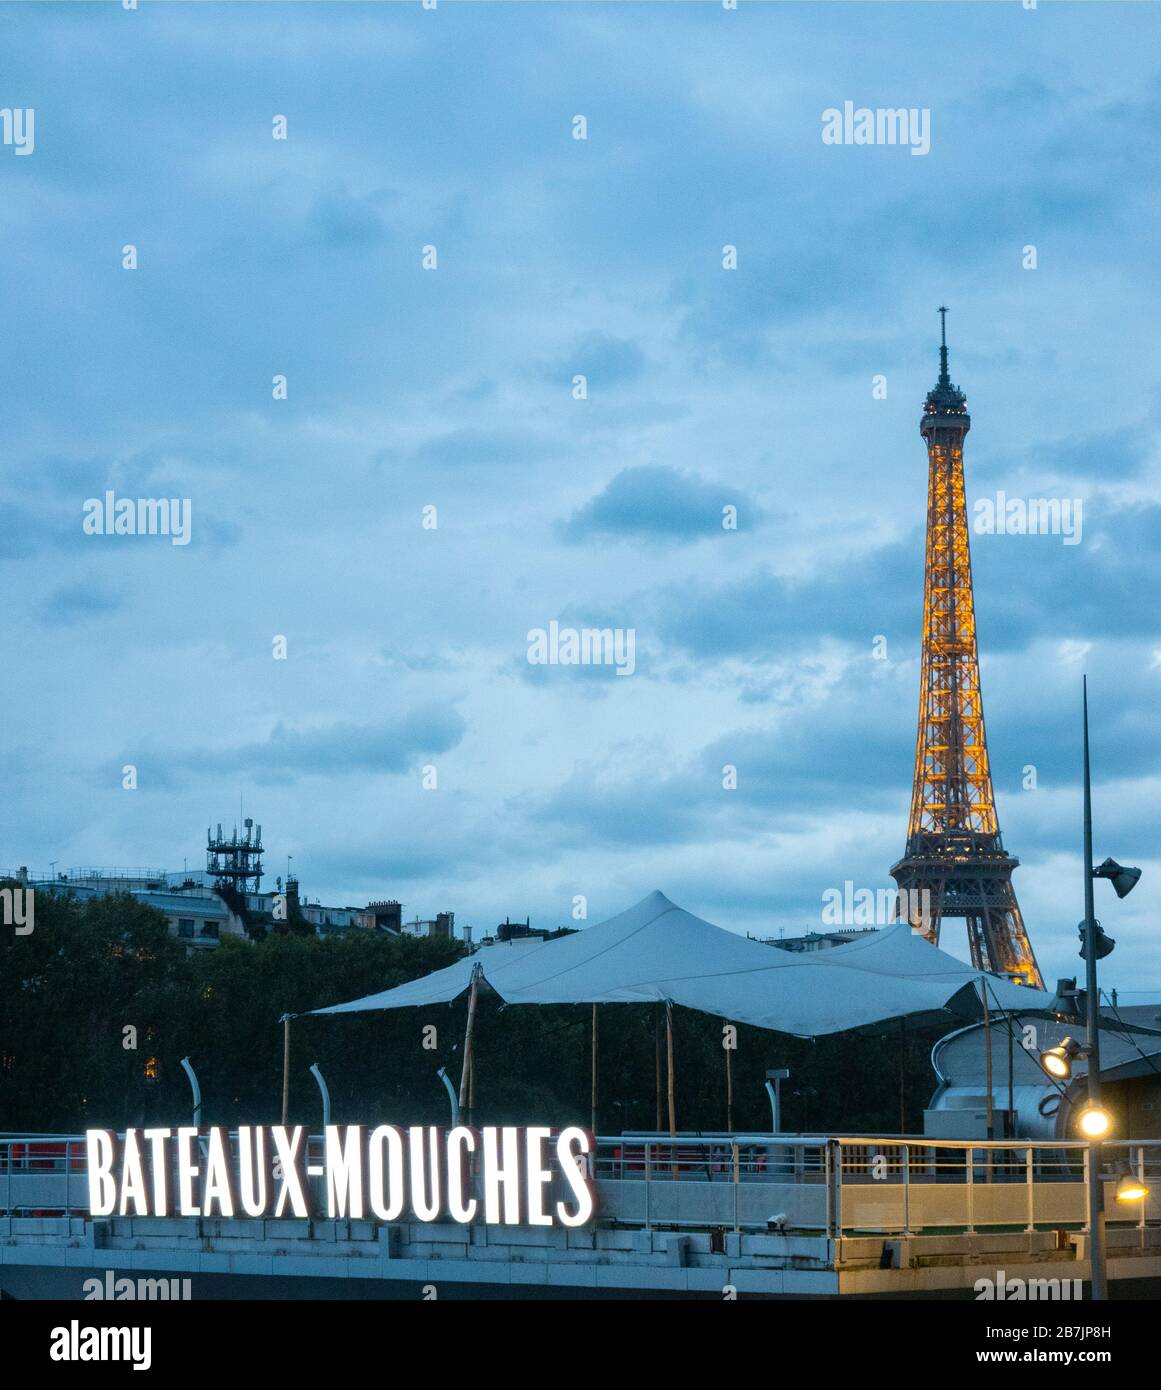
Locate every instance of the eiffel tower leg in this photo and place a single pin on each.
(977, 943)
(920, 903)
(1008, 944)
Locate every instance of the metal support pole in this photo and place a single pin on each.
(1096, 1195)
(838, 1189)
(737, 1177)
(657, 1065)
(593, 1126)
(906, 1189)
(1030, 1183)
(187, 1067)
(1010, 1127)
(778, 1075)
(285, 1067)
(316, 1072)
(729, 1091)
(467, 1062)
(988, 1062)
(671, 1081)
(971, 1191)
(772, 1093)
(1144, 1200)
(669, 1066)
(453, 1099)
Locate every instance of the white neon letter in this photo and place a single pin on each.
(385, 1181)
(344, 1162)
(100, 1152)
(133, 1178)
(186, 1172)
(424, 1176)
(159, 1164)
(460, 1141)
(218, 1188)
(252, 1169)
(538, 1176)
(506, 1175)
(575, 1174)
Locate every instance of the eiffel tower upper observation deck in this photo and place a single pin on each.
(955, 859)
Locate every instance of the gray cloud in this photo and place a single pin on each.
(80, 603)
(658, 502)
(339, 749)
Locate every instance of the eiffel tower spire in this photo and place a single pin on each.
(944, 379)
(955, 864)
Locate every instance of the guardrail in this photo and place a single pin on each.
(836, 1185)
(844, 1185)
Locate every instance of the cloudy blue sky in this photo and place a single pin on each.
(452, 388)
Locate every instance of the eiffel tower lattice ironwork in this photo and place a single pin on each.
(955, 864)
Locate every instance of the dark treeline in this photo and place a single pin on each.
(93, 979)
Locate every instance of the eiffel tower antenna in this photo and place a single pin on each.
(955, 864)
(944, 379)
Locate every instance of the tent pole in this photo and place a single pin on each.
(285, 1066)
(657, 1065)
(593, 1126)
(467, 1066)
(988, 1071)
(1010, 1126)
(988, 1061)
(669, 1065)
(729, 1093)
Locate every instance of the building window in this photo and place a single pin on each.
(210, 929)
(185, 926)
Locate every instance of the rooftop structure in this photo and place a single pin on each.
(817, 940)
(236, 862)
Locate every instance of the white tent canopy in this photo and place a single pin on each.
(657, 951)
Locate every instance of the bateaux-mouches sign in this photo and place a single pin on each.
(500, 1175)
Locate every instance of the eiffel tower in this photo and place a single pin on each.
(955, 864)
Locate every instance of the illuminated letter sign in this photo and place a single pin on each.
(505, 1176)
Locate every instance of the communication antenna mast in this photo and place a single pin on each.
(236, 861)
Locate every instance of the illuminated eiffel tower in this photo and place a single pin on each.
(955, 864)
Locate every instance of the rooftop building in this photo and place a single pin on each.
(204, 907)
(818, 940)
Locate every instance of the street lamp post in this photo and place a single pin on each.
(1094, 1121)
(1096, 1194)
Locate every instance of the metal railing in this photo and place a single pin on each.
(852, 1185)
(833, 1185)
(90, 873)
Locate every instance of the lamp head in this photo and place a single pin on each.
(1103, 944)
(1130, 1189)
(1057, 1061)
(1123, 878)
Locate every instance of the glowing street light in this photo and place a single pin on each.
(1057, 1061)
(1130, 1189)
(1094, 1122)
